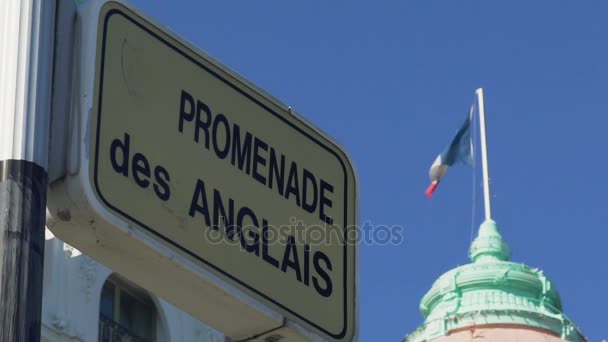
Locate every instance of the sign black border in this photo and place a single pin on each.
(115, 11)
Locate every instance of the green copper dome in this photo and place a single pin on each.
(492, 290)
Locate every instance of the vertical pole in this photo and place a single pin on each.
(484, 155)
(26, 60)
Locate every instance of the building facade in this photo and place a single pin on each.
(85, 301)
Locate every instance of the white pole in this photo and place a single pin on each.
(26, 69)
(484, 155)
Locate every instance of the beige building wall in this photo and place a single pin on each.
(500, 333)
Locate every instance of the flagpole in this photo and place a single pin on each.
(484, 154)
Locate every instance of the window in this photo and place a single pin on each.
(126, 313)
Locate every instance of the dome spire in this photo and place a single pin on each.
(489, 244)
(492, 291)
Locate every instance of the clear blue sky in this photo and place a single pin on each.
(393, 80)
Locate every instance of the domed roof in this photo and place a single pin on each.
(492, 290)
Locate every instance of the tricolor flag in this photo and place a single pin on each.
(460, 150)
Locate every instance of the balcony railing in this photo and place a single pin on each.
(111, 331)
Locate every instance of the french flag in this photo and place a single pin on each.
(459, 150)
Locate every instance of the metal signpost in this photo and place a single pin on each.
(26, 60)
(186, 178)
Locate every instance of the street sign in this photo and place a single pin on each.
(182, 151)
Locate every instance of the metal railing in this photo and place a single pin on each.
(111, 331)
